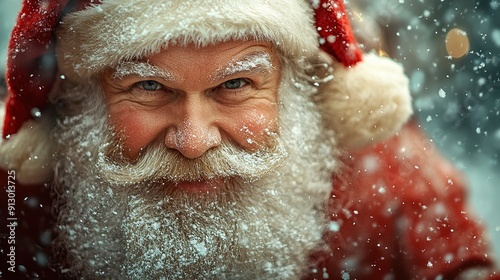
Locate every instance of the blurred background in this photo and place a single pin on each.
(451, 51)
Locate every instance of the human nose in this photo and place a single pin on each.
(195, 130)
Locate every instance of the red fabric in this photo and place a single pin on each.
(31, 65)
(333, 25)
(31, 68)
(397, 210)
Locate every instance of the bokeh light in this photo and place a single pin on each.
(457, 43)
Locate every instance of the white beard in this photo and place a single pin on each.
(266, 229)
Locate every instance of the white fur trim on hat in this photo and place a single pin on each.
(116, 30)
(366, 103)
(29, 151)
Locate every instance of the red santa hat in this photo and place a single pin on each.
(368, 99)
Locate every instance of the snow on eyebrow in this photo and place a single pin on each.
(141, 69)
(254, 62)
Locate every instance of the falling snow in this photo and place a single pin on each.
(463, 118)
(456, 99)
(442, 93)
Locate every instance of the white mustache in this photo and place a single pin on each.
(159, 163)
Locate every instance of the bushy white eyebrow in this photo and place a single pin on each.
(141, 69)
(253, 63)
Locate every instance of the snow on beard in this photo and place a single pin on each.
(113, 225)
(159, 169)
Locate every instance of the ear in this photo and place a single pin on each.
(367, 102)
(29, 151)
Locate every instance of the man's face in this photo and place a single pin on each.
(191, 99)
(183, 122)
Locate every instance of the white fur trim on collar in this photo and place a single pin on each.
(117, 30)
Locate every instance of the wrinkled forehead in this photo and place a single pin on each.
(103, 35)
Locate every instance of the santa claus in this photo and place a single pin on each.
(223, 140)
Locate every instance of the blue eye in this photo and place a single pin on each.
(234, 84)
(149, 85)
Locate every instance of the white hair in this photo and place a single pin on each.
(245, 233)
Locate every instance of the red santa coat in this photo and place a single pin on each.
(397, 211)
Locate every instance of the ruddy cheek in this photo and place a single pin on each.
(256, 129)
(135, 129)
